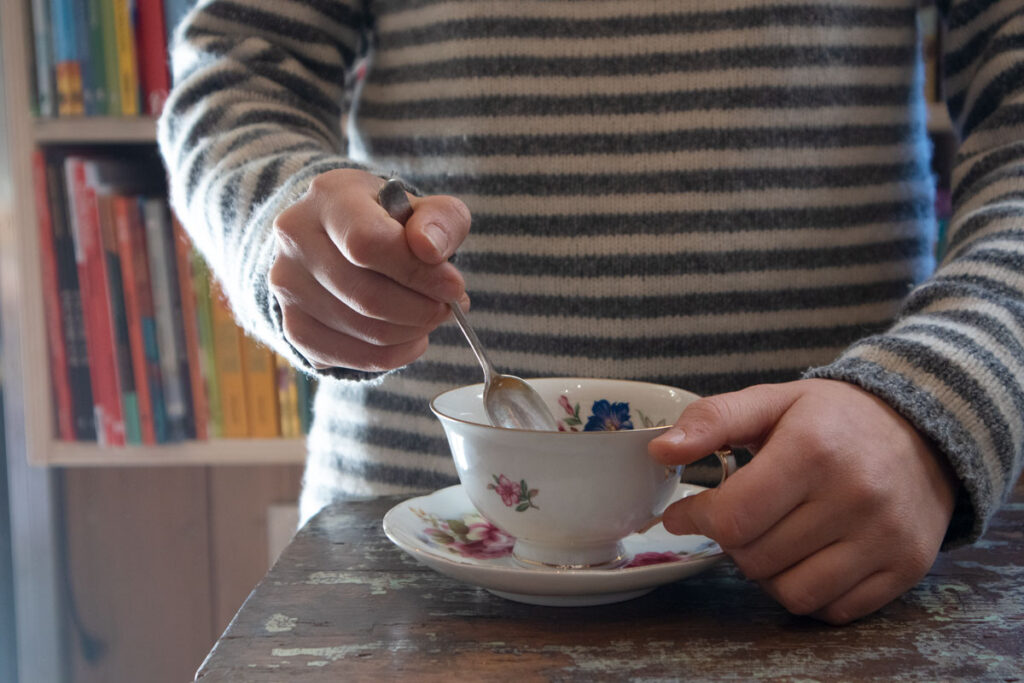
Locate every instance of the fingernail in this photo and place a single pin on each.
(437, 237)
(673, 437)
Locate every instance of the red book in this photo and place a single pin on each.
(190, 323)
(51, 300)
(135, 276)
(96, 308)
(151, 51)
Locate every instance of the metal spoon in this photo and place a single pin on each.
(508, 400)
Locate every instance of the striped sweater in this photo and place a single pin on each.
(703, 194)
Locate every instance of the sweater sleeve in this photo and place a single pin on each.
(953, 362)
(255, 113)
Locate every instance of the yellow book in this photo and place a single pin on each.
(227, 352)
(128, 75)
(287, 398)
(260, 389)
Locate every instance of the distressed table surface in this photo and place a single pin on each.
(343, 603)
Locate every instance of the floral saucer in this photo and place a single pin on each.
(443, 531)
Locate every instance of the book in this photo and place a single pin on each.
(207, 356)
(287, 398)
(115, 290)
(306, 389)
(260, 389)
(111, 67)
(128, 76)
(73, 321)
(227, 345)
(95, 82)
(138, 300)
(160, 251)
(42, 34)
(55, 338)
(174, 12)
(190, 328)
(80, 18)
(151, 48)
(96, 311)
(67, 70)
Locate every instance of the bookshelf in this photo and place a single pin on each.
(27, 374)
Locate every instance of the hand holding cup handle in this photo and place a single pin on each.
(727, 461)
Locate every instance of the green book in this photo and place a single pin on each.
(111, 68)
(97, 56)
(207, 357)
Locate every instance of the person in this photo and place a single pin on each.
(733, 198)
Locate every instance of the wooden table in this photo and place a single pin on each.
(344, 604)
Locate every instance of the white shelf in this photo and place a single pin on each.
(95, 130)
(213, 452)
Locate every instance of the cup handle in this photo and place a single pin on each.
(728, 462)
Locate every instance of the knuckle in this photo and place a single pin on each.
(797, 599)
(754, 565)
(702, 414)
(360, 247)
(727, 527)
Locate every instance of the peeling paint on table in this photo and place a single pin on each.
(342, 603)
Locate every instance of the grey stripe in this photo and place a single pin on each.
(633, 143)
(772, 57)
(629, 24)
(826, 218)
(693, 262)
(706, 180)
(644, 307)
(765, 97)
(398, 475)
(669, 346)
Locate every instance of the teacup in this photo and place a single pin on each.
(568, 497)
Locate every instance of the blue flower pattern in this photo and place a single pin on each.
(608, 417)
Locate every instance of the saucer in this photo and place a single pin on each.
(445, 532)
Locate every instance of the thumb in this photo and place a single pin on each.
(437, 227)
(739, 418)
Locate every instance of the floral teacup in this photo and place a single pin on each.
(568, 497)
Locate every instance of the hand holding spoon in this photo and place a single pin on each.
(508, 400)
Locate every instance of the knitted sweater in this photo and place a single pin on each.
(706, 195)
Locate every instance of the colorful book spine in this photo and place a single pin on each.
(227, 342)
(306, 388)
(67, 70)
(287, 399)
(190, 329)
(161, 262)
(56, 343)
(119, 318)
(95, 66)
(42, 32)
(260, 389)
(79, 13)
(207, 356)
(111, 67)
(128, 77)
(151, 47)
(75, 349)
(133, 262)
(99, 328)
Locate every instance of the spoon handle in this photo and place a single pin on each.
(474, 342)
(392, 197)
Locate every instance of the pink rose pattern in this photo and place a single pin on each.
(520, 495)
(471, 536)
(644, 559)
